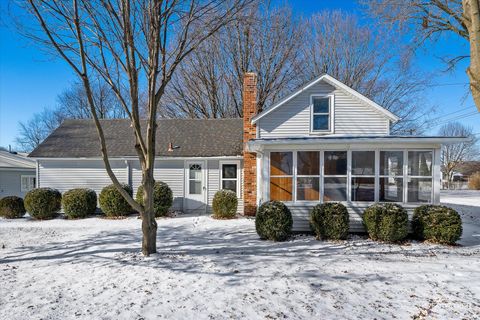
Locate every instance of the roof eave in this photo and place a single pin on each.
(258, 144)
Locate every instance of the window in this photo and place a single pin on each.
(419, 176)
(195, 178)
(335, 176)
(308, 175)
(229, 177)
(321, 113)
(281, 176)
(391, 176)
(363, 176)
(358, 175)
(27, 183)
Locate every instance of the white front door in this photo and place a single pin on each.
(195, 186)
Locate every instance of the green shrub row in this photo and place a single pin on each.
(384, 222)
(45, 203)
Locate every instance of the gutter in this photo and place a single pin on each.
(257, 145)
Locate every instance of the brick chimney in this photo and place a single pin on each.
(249, 132)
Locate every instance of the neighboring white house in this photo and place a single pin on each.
(324, 142)
(17, 174)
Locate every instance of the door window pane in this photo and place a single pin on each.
(363, 162)
(335, 189)
(229, 171)
(320, 122)
(230, 185)
(420, 190)
(308, 163)
(391, 163)
(391, 189)
(195, 187)
(281, 189)
(420, 163)
(195, 171)
(363, 189)
(308, 188)
(281, 163)
(335, 163)
(321, 105)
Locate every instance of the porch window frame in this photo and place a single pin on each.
(346, 175)
(408, 177)
(292, 176)
(349, 175)
(296, 176)
(330, 114)
(381, 175)
(238, 178)
(376, 180)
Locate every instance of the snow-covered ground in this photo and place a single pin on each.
(218, 269)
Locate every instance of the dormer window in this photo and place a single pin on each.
(322, 114)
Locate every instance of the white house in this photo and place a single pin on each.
(324, 142)
(17, 174)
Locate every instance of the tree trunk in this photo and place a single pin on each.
(149, 224)
(471, 12)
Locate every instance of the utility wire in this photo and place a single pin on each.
(451, 113)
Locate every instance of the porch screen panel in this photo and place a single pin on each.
(419, 187)
(335, 176)
(391, 176)
(363, 176)
(308, 175)
(281, 176)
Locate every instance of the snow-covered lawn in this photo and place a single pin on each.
(209, 269)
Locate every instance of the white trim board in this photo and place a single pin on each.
(334, 82)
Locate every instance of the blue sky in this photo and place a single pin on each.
(30, 80)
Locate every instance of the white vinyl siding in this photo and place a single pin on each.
(214, 184)
(351, 116)
(169, 171)
(69, 174)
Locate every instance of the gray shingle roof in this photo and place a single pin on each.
(195, 137)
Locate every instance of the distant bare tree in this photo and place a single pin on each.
(33, 131)
(454, 155)
(72, 103)
(135, 47)
(427, 20)
(369, 61)
(209, 82)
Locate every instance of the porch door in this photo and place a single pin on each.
(195, 186)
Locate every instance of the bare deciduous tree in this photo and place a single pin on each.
(134, 46)
(210, 81)
(455, 154)
(369, 61)
(35, 130)
(427, 20)
(72, 103)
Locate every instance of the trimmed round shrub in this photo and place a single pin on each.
(273, 221)
(43, 203)
(79, 203)
(329, 221)
(12, 207)
(162, 198)
(437, 224)
(112, 203)
(386, 222)
(224, 204)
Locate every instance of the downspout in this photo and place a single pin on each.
(37, 173)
